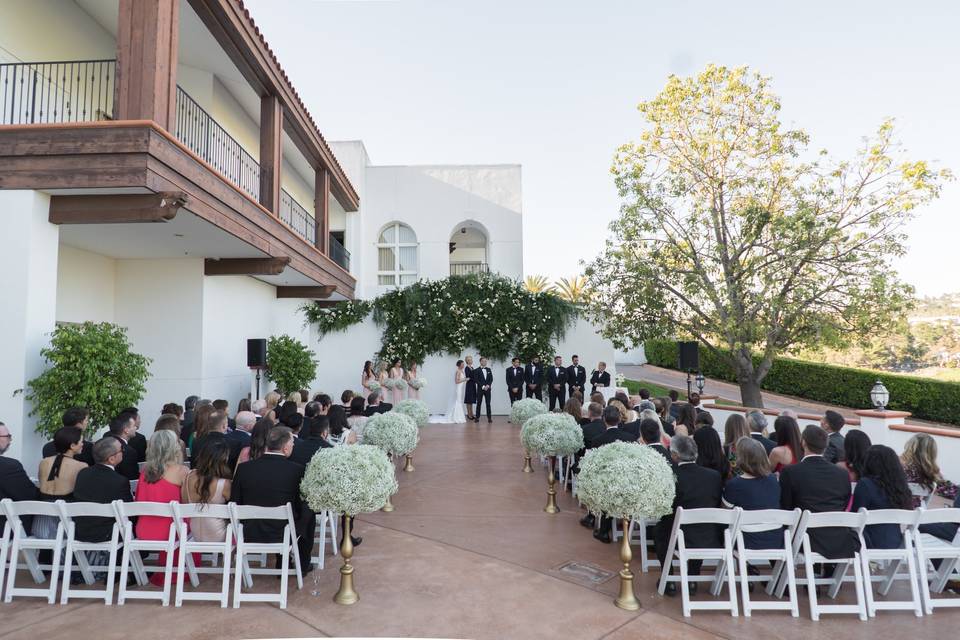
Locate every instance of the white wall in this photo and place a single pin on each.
(52, 30)
(85, 286)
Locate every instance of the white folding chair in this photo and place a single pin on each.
(21, 541)
(326, 522)
(723, 556)
(4, 548)
(932, 548)
(132, 546)
(76, 549)
(638, 536)
(284, 547)
(782, 558)
(803, 553)
(183, 514)
(893, 559)
(925, 495)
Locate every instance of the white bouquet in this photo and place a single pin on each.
(388, 383)
(394, 432)
(523, 410)
(400, 383)
(418, 383)
(373, 385)
(348, 480)
(552, 434)
(620, 379)
(625, 480)
(416, 409)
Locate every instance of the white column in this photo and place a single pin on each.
(28, 288)
(876, 424)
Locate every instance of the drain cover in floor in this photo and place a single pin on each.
(585, 572)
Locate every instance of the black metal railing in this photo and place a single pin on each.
(466, 268)
(68, 91)
(293, 213)
(205, 137)
(338, 254)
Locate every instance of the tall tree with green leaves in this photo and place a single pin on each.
(732, 232)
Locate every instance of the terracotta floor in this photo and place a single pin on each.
(468, 553)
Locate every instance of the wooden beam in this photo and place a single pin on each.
(306, 292)
(117, 208)
(321, 210)
(245, 266)
(326, 304)
(271, 152)
(146, 83)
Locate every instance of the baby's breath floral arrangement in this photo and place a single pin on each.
(393, 432)
(552, 434)
(625, 480)
(339, 317)
(416, 409)
(349, 480)
(523, 410)
(418, 383)
(400, 383)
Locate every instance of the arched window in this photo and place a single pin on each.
(397, 255)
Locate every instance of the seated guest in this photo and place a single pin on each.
(946, 531)
(663, 406)
(855, 447)
(259, 407)
(832, 422)
(758, 424)
(651, 414)
(223, 406)
(340, 432)
(356, 418)
(272, 481)
(258, 441)
(138, 441)
(612, 431)
(209, 483)
(883, 486)
(200, 427)
(573, 409)
(189, 409)
(295, 397)
(686, 420)
(788, 449)
(675, 406)
(650, 432)
(594, 425)
(213, 427)
(325, 403)
(345, 399)
(710, 451)
(754, 489)
(287, 409)
(697, 487)
(58, 476)
(311, 415)
(303, 447)
(102, 484)
(244, 404)
(621, 409)
(818, 486)
(272, 399)
(79, 418)
(694, 401)
(703, 419)
(240, 437)
(733, 429)
(123, 428)
(920, 464)
(161, 481)
(319, 430)
(14, 481)
(169, 422)
(173, 408)
(376, 405)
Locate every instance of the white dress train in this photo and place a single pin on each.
(454, 414)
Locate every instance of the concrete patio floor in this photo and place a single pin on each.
(468, 553)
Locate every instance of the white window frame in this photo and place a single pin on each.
(396, 245)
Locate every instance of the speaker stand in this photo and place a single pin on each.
(258, 383)
(689, 387)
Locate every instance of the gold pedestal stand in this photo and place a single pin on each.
(551, 488)
(626, 600)
(409, 465)
(527, 467)
(346, 594)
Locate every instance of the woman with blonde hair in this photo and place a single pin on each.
(919, 461)
(624, 413)
(653, 415)
(272, 399)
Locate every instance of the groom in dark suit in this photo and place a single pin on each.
(515, 380)
(576, 378)
(533, 376)
(557, 383)
(484, 379)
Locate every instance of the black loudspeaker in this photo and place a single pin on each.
(257, 353)
(689, 356)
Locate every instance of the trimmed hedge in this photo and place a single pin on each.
(844, 386)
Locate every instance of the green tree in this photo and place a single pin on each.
(537, 284)
(730, 233)
(90, 365)
(574, 290)
(290, 364)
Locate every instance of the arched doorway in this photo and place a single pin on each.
(468, 249)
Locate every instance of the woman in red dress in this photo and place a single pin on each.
(160, 481)
(788, 450)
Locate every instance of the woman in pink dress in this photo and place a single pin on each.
(160, 481)
(788, 450)
(368, 376)
(396, 374)
(413, 393)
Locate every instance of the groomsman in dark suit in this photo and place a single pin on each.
(484, 379)
(576, 377)
(123, 428)
(600, 378)
(557, 383)
(533, 376)
(515, 380)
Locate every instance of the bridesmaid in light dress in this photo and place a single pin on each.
(396, 374)
(413, 394)
(368, 376)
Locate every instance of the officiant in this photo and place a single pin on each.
(600, 378)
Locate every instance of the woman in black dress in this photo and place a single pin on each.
(470, 393)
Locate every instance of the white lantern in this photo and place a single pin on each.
(700, 382)
(879, 396)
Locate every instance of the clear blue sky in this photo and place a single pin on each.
(553, 85)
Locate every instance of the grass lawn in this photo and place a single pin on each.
(658, 390)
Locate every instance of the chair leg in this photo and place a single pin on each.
(111, 573)
(838, 575)
(868, 586)
(225, 580)
(893, 568)
(12, 571)
(912, 572)
(124, 569)
(168, 575)
(924, 581)
(791, 572)
(744, 582)
(55, 571)
(811, 582)
(285, 570)
(239, 579)
(181, 566)
(30, 555)
(731, 581)
(67, 570)
(859, 584)
(684, 586)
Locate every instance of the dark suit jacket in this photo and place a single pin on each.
(86, 454)
(662, 450)
(598, 377)
(15, 484)
(577, 376)
(139, 444)
(237, 439)
(817, 486)
(383, 407)
(101, 484)
(768, 444)
(834, 452)
(591, 430)
(515, 378)
(616, 434)
(303, 450)
(269, 481)
(697, 488)
(533, 374)
(557, 375)
(632, 428)
(483, 376)
(129, 467)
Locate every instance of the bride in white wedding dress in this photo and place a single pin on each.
(455, 414)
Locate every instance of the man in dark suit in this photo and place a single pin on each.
(816, 485)
(633, 428)
(515, 380)
(600, 378)
(304, 447)
(612, 433)
(375, 405)
(650, 435)
(240, 437)
(576, 377)
(832, 422)
(79, 418)
(14, 481)
(102, 484)
(123, 428)
(484, 379)
(557, 384)
(272, 480)
(137, 441)
(223, 406)
(757, 423)
(533, 377)
(697, 488)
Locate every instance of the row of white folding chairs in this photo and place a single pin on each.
(16, 540)
(916, 551)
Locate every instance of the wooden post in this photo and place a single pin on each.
(321, 210)
(146, 83)
(271, 152)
